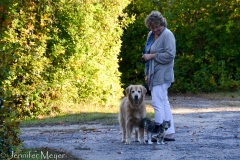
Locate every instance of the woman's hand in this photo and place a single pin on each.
(146, 79)
(147, 57)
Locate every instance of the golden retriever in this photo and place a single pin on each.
(132, 111)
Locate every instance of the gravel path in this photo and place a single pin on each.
(205, 129)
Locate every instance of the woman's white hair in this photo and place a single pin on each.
(155, 19)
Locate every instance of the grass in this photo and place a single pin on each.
(106, 116)
(76, 115)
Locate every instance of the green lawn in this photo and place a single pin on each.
(106, 116)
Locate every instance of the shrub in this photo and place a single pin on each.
(9, 131)
(207, 43)
(207, 32)
(62, 53)
(56, 54)
(133, 42)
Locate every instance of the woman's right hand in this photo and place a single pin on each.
(146, 79)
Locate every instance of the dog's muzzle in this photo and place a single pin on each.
(136, 99)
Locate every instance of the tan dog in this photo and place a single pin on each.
(132, 111)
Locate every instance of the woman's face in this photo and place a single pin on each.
(157, 30)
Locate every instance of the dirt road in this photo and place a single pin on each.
(205, 129)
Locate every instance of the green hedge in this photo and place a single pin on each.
(62, 53)
(207, 43)
(57, 54)
(133, 41)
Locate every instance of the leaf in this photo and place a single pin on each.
(154, 148)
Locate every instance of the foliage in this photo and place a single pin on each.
(94, 38)
(9, 121)
(9, 131)
(58, 54)
(62, 52)
(133, 41)
(207, 43)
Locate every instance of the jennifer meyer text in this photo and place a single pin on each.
(37, 155)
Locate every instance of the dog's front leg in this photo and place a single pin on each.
(123, 128)
(124, 134)
(141, 135)
(129, 130)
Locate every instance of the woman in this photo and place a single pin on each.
(159, 54)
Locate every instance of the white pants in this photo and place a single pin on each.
(161, 105)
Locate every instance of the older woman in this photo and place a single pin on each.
(159, 54)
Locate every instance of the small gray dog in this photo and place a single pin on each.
(149, 127)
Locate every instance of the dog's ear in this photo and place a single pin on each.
(144, 90)
(128, 89)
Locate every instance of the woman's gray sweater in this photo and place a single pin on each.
(161, 67)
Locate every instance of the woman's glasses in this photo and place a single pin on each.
(155, 28)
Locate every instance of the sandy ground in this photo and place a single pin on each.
(205, 129)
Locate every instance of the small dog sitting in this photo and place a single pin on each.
(150, 127)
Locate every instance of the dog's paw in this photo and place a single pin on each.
(150, 142)
(160, 143)
(123, 141)
(128, 141)
(137, 140)
(141, 142)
